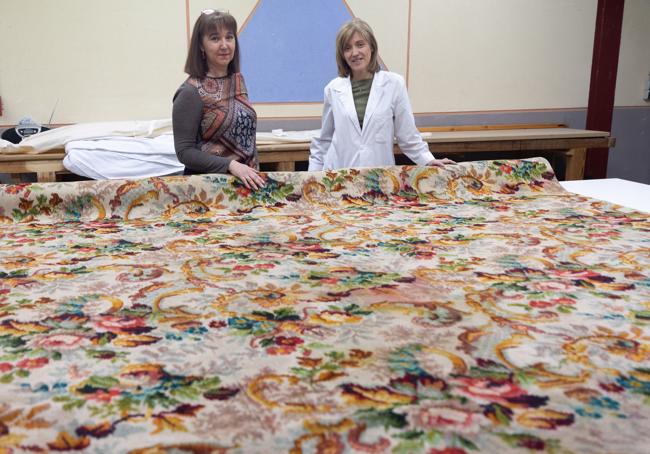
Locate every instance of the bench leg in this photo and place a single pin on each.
(288, 166)
(575, 164)
(45, 177)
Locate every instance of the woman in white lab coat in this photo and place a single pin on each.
(364, 108)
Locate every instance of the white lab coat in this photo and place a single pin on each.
(342, 142)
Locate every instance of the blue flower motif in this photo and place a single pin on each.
(634, 384)
(604, 402)
(588, 413)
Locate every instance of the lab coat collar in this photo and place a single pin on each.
(377, 91)
(344, 93)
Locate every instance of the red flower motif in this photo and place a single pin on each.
(243, 268)
(550, 286)
(611, 387)
(554, 302)
(55, 199)
(103, 396)
(120, 325)
(32, 363)
(564, 301)
(489, 390)
(602, 234)
(329, 280)
(5, 367)
(575, 274)
(243, 191)
(16, 188)
(288, 341)
(259, 266)
(281, 350)
(506, 168)
(445, 418)
(25, 204)
(58, 341)
(447, 451)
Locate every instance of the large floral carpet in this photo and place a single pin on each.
(475, 308)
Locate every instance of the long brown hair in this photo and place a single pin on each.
(343, 36)
(196, 64)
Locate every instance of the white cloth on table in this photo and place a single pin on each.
(281, 136)
(58, 137)
(123, 157)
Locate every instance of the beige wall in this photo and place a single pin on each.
(501, 54)
(123, 59)
(102, 60)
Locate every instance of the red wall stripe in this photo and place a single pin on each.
(602, 88)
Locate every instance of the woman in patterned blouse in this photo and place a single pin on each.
(214, 123)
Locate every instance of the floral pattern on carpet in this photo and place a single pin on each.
(472, 308)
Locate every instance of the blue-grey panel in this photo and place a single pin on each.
(630, 158)
(288, 49)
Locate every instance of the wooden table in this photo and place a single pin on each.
(571, 143)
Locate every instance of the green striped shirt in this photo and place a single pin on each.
(360, 93)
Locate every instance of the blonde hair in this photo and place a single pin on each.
(343, 36)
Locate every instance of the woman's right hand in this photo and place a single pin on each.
(249, 176)
(441, 162)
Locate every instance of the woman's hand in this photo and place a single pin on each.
(440, 162)
(249, 176)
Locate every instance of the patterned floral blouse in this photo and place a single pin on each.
(214, 123)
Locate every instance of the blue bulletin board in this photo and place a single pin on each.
(288, 49)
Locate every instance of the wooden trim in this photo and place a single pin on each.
(490, 127)
(9, 159)
(187, 22)
(496, 111)
(518, 145)
(284, 156)
(290, 103)
(345, 2)
(249, 17)
(408, 46)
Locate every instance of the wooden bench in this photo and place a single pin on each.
(457, 142)
(470, 142)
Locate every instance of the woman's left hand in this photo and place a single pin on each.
(440, 162)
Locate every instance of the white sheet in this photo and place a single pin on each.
(122, 157)
(615, 190)
(281, 136)
(59, 137)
